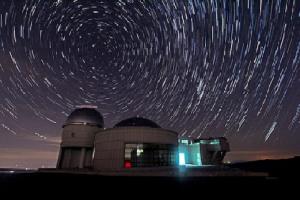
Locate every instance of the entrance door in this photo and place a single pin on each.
(181, 159)
(75, 158)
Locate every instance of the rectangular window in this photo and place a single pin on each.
(149, 155)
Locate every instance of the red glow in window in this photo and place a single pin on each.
(127, 164)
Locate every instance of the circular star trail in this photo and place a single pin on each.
(202, 68)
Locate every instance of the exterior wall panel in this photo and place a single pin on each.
(110, 143)
(77, 146)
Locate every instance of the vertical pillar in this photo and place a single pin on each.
(82, 158)
(214, 158)
(59, 160)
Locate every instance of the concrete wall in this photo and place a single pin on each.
(77, 146)
(109, 144)
(79, 135)
(213, 154)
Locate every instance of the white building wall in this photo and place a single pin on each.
(79, 135)
(109, 144)
(77, 146)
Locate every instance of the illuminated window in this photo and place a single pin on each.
(184, 141)
(215, 141)
(149, 155)
(212, 142)
(139, 152)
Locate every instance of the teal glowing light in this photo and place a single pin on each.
(199, 161)
(181, 159)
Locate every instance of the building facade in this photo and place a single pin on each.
(199, 152)
(132, 143)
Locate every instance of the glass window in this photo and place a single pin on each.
(150, 155)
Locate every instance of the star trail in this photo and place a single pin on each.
(200, 67)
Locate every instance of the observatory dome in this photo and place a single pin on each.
(137, 121)
(89, 116)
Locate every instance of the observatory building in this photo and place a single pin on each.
(132, 143)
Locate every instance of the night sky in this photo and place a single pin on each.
(200, 67)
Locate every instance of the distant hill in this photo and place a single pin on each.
(276, 168)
